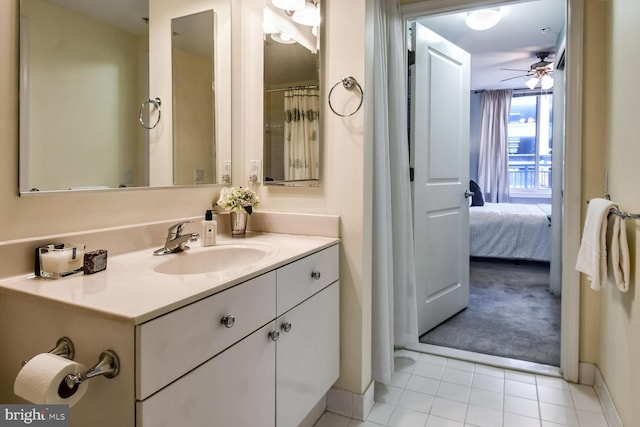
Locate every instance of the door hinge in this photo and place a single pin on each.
(411, 174)
(411, 58)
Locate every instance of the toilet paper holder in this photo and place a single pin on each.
(64, 348)
(108, 366)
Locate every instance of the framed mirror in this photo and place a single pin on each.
(84, 95)
(291, 154)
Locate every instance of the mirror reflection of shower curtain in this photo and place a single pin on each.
(301, 151)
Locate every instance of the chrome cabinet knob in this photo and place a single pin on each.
(274, 335)
(286, 326)
(228, 321)
(315, 275)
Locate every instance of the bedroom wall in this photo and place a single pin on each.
(619, 343)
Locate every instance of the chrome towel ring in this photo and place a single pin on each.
(157, 102)
(349, 83)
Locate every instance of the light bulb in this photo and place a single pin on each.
(532, 82)
(309, 16)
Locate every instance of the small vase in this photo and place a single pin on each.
(238, 223)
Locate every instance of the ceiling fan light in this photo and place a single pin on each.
(532, 82)
(283, 38)
(309, 15)
(289, 4)
(482, 19)
(546, 82)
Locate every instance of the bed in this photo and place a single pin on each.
(511, 230)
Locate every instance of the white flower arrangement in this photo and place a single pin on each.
(237, 199)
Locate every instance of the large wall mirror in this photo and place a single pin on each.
(85, 89)
(291, 93)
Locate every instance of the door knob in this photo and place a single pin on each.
(315, 275)
(274, 335)
(468, 194)
(286, 326)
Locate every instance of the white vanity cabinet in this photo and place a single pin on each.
(268, 367)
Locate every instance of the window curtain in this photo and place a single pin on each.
(394, 310)
(301, 112)
(493, 162)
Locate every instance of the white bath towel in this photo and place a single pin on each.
(592, 256)
(618, 249)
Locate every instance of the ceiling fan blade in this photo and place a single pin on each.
(513, 69)
(516, 77)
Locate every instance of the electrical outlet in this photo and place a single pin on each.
(255, 167)
(128, 177)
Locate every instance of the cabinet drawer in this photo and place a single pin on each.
(303, 278)
(173, 344)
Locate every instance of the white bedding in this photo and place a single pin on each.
(510, 230)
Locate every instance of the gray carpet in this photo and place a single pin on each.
(511, 314)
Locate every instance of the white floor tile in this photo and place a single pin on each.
(423, 384)
(489, 370)
(449, 409)
(381, 413)
(329, 419)
(520, 377)
(486, 399)
(515, 420)
(403, 417)
(417, 401)
(555, 396)
(435, 421)
(521, 406)
(483, 417)
(434, 391)
(591, 419)
(585, 398)
(386, 394)
(558, 414)
(456, 392)
(457, 376)
(429, 370)
(520, 389)
(488, 382)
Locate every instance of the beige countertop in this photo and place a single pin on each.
(130, 288)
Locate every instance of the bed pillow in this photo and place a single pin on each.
(477, 199)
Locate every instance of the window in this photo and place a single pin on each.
(530, 143)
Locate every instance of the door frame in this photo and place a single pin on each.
(572, 209)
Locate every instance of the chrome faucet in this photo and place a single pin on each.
(176, 241)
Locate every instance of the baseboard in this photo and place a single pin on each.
(590, 375)
(609, 408)
(349, 404)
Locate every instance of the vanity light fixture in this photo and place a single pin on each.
(289, 4)
(309, 15)
(482, 19)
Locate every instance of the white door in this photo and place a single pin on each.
(440, 84)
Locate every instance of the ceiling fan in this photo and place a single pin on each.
(539, 72)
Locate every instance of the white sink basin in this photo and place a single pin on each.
(215, 259)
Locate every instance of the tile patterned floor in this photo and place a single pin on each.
(434, 391)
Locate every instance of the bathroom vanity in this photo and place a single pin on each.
(255, 344)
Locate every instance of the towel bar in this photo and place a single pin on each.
(616, 211)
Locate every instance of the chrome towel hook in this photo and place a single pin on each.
(157, 102)
(349, 83)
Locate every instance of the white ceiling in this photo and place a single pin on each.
(512, 43)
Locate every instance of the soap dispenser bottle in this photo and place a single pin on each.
(209, 230)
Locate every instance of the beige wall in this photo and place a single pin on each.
(342, 175)
(620, 313)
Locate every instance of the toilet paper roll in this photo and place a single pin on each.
(41, 380)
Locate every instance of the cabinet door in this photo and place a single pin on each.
(307, 356)
(234, 388)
